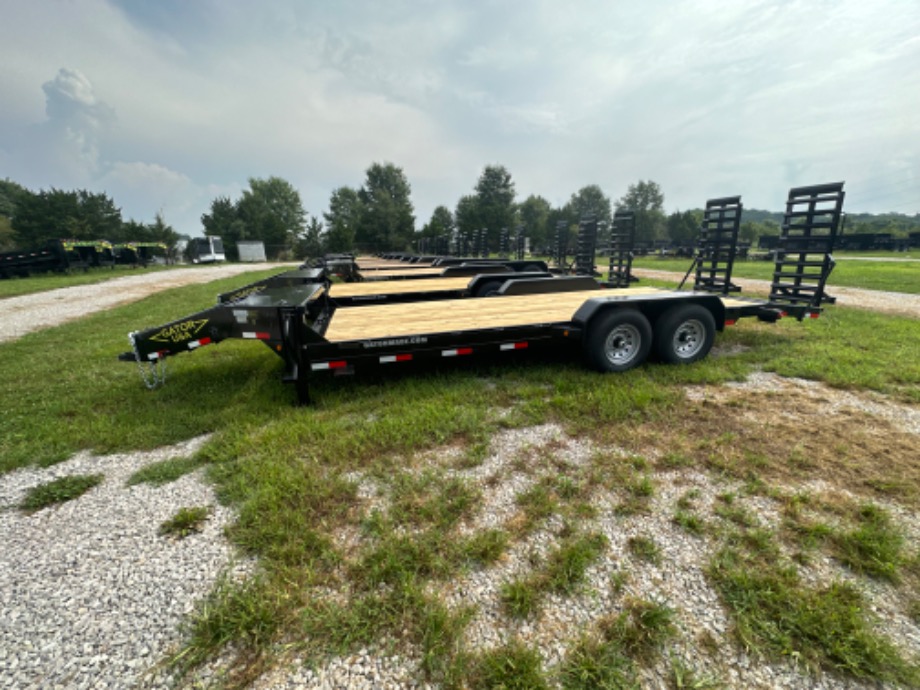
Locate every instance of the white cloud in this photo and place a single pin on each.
(707, 99)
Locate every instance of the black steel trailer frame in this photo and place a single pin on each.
(296, 315)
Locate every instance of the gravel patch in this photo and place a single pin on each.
(515, 460)
(28, 313)
(92, 596)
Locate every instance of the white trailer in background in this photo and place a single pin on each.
(205, 250)
(251, 251)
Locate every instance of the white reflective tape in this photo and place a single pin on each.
(195, 343)
(251, 336)
(388, 359)
(320, 366)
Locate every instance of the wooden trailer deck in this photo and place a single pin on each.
(408, 269)
(418, 318)
(395, 287)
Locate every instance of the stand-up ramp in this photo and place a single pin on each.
(804, 252)
(718, 245)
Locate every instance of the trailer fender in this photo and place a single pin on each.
(479, 284)
(652, 305)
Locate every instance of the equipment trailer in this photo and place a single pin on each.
(616, 328)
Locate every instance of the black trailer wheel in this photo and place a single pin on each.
(618, 340)
(489, 288)
(684, 334)
(532, 268)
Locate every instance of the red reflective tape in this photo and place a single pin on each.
(258, 335)
(199, 343)
(458, 351)
(513, 346)
(389, 359)
(813, 315)
(730, 322)
(322, 366)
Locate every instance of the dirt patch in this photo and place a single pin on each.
(791, 431)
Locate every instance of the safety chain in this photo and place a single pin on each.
(156, 368)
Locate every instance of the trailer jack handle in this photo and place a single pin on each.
(153, 374)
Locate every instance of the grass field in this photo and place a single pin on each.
(295, 474)
(870, 275)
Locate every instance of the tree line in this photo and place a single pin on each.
(376, 216)
(30, 219)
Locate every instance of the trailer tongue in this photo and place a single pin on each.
(298, 315)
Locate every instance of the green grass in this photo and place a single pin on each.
(511, 667)
(609, 656)
(645, 549)
(185, 522)
(564, 572)
(14, 287)
(875, 547)
(291, 475)
(869, 275)
(164, 472)
(520, 598)
(59, 491)
(689, 521)
(777, 614)
(78, 396)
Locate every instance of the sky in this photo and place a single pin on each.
(166, 105)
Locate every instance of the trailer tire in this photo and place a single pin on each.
(618, 340)
(532, 268)
(489, 288)
(684, 334)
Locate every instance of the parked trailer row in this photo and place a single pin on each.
(318, 327)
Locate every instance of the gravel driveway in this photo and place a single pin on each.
(28, 313)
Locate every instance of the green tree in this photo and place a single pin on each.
(160, 231)
(59, 214)
(9, 194)
(495, 201)
(534, 213)
(441, 223)
(646, 199)
(589, 201)
(342, 219)
(7, 236)
(684, 227)
(466, 216)
(133, 231)
(310, 243)
(272, 212)
(387, 220)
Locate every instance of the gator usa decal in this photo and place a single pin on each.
(179, 332)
